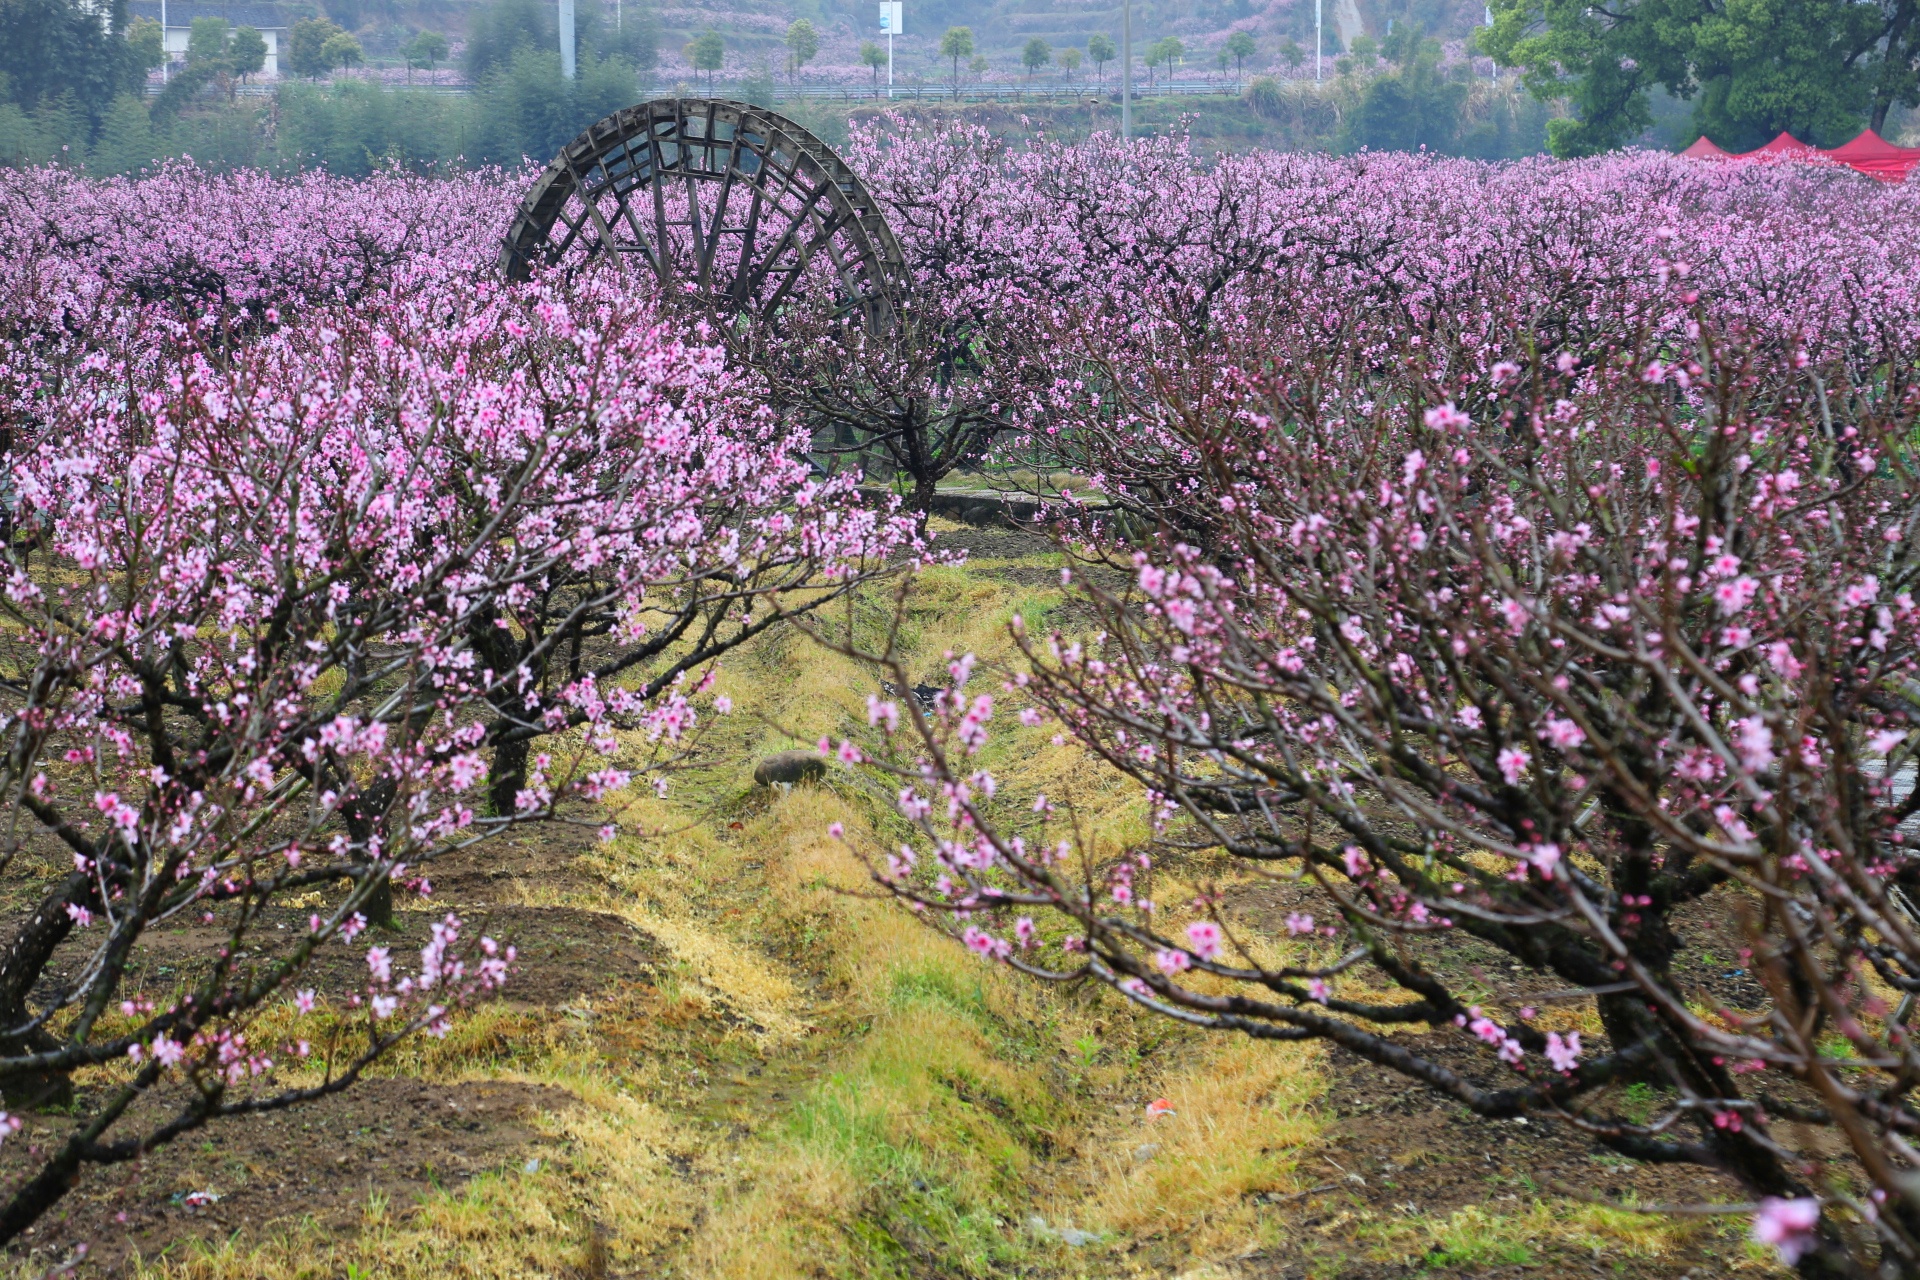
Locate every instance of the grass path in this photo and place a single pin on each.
(807, 1082)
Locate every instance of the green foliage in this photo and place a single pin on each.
(342, 51)
(1419, 106)
(874, 56)
(1070, 59)
(59, 48)
(531, 110)
(1263, 95)
(636, 41)
(1820, 69)
(803, 43)
(757, 85)
(1292, 54)
(1036, 55)
(207, 41)
(504, 28)
(352, 126)
(1239, 46)
(146, 44)
(127, 141)
(246, 52)
(426, 50)
(707, 52)
(956, 43)
(1100, 48)
(185, 85)
(306, 45)
(1168, 50)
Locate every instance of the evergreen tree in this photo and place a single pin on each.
(1820, 69)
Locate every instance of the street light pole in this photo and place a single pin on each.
(1126, 73)
(566, 38)
(1318, 57)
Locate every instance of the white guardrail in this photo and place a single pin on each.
(852, 94)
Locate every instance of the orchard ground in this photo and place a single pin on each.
(721, 1056)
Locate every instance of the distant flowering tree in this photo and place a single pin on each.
(255, 652)
(1529, 657)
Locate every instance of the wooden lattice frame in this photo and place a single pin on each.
(766, 180)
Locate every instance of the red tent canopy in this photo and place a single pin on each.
(1784, 147)
(1706, 148)
(1869, 153)
(1874, 156)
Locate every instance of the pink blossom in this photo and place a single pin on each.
(1203, 938)
(1735, 595)
(1754, 742)
(1563, 734)
(1564, 1054)
(1513, 763)
(1786, 1225)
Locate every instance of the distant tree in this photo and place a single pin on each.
(1292, 54)
(707, 52)
(304, 45)
(498, 31)
(978, 67)
(1070, 60)
(1418, 106)
(632, 35)
(342, 51)
(55, 47)
(247, 52)
(803, 42)
(956, 44)
(1403, 44)
(1100, 49)
(876, 57)
(1036, 55)
(1365, 51)
(1168, 50)
(1240, 45)
(426, 49)
(207, 40)
(146, 43)
(1818, 68)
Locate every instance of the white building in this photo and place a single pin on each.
(176, 19)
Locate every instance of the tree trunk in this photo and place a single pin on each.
(1896, 50)
(20, 969)
(507, 777)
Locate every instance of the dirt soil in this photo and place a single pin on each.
(1398, 1150)
(394, 1138)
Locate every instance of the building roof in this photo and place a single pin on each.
(181, 13)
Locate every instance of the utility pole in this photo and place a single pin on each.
(1126, 73)
(166, 59)
(1318, 58)
(892, 14)
(566, 38)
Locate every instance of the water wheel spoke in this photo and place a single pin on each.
(806, 225)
